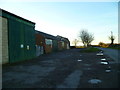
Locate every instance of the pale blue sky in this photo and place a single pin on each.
(68, 18)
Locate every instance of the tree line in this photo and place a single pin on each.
(86, 38)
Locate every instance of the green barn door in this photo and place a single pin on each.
(16, 41)
(22, 46)
(26, 42)
(29, 42)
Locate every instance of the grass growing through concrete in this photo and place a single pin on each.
(90, 49)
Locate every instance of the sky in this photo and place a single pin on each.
(67, 19)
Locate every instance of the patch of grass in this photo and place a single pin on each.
(91, 49)
(118, 48)
(80, 47)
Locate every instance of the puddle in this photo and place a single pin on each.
(107, 70)
(109, 67)
(103, 59)
(79, 60)
(104, 62)
(94, 81)
(101, 51)
(118, 71)
(99, 54)
(87, 69)
(87, 65)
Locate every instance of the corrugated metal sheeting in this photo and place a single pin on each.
(40, 41)
(20, 41)
(48, 41)
(52, 43)
(55, 45)
(21, 38)
(48, 45)
(64, 43)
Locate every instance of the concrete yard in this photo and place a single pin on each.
(66, 69)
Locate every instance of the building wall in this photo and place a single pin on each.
(4, 41)
(21, 40)
(0, 40)
(65, 45)
(60, 45)
(55, 46)
(68, 46)
(48, 45)
(40, 41)
(17, 39)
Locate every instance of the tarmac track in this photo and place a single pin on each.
(65, 69)
(113, 53)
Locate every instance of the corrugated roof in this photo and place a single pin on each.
(60, 38)
(16, 16)
(47, 35)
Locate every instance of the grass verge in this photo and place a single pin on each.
(118, 48)
(90, 49)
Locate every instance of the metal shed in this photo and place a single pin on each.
(40, 43)
(63, 43)
(66, 43)
(50, 42)
(55, 45)
(18, 38)
(60, 43)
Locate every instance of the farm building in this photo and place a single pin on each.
(63, 43)
(40, 43)
(20, 41)
(50, 43)
(17, 38)
(66, 43)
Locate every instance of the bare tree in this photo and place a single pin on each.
(112, 38)
(75, 42)
(101, 44)
(86, 37)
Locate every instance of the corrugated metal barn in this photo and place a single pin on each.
(63, 43)
(20, 41)
(66, 43)
(50, 43)
(18, 38)
(40, 43)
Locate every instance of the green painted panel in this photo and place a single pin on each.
(29, 42)
(16, 53)
(21, 41)
(21, 37)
